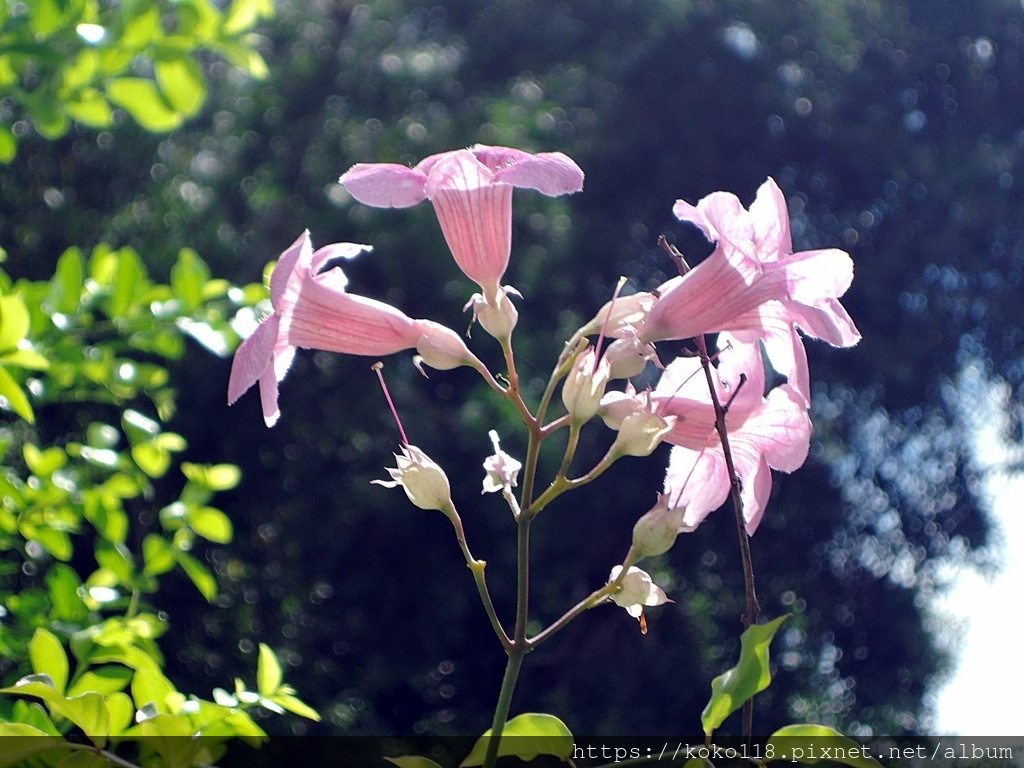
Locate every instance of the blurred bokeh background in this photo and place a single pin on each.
(894, 128)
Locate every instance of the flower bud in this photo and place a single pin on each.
(584, 387)
(656, 532)
(423, 481)
(441, 347)
(621, 313)
(497, 317)
(641, 432)
(628, 357)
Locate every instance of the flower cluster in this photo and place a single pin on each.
(753, 291)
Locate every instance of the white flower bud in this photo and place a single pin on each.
(441, 347)
(628, 357)
(423, 481)
(621, 313)
(498, 318)
(656, 532)
(584, 387)
(641, 432)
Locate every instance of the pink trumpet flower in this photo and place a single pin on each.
(471, 190)
(313, 310)
(764, 432)
(753, 282)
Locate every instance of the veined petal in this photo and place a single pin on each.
(551, 173)
(460, 171)
(252, 359)
(288, 273)
(268, 397)
(477, 224)
(697, 479)
(385, 185)
(816, 275)
(780, 430)
(770, 218)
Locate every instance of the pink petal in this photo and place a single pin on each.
(828, 321)
(740, 359)
(551, 173)
(268, 398)
(770, 218)
(496, 158)
(333, 251)
(457, 171)
(780, 430)
(288, 262)
(385, 185)
(816, 275)
(253, 358)
(699, 480)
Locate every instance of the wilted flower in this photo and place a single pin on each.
(471, 190)
(313, 310)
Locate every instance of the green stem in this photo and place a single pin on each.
(477, 568)
(508, 685)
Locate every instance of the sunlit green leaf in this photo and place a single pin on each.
(215, 477)
(157, 555)
(25, 358)
(295, 706)
(22, 742)
(412, 761)
(127, 282)
(526, 736)
(62, 582)
(15, 396)
(808, 743)
(14, 321)
(182, 82)
(188, 276)
(48, 657)
(90, 108)
(150, 686)
(121, 710)
(143, 101)
(46, 18)
(211, 523)
(104, 680)
(57, 543)
(141, 29)
(44, 463)
(199, 574)
(49, 119)
(731, 689)
(268, 671)
(242, 15)
(8, 145)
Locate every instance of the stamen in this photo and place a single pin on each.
(378, 367)
(607, 319)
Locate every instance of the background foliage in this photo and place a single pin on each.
(886, 125)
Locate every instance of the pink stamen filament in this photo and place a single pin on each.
(378, 367)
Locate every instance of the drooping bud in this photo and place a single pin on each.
(502, 470)
(499, 316)
(641, 432)
(656, 532)
(628, 357)
(441, 347)
(423, 481)
(619, 314)
(584, 386)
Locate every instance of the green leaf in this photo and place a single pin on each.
(198, 573)
(26, 358)
(44, 463)
(48, 657)
(62, 582)
(143, 100)
(15, 396)
(751, 675)
(150, 686)
(808, 743)
(105, 680)
(14, 321)
(268, 672)
(157, 555)
(210, 523)
(295, 706)
(8, 145)
(412, 761)
(20, 742)
(188, 276)
(139, 428)
(90, 108)
(526, 736)
(139, 31)
(57, 543)
(215, 477)
(242, 15)
(182, 82)
(128, 279)
(122, 711)
(87, 711)
(151, 459)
